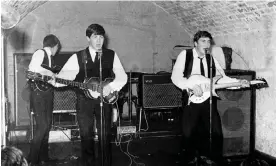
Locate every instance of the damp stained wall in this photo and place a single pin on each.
(141, 33)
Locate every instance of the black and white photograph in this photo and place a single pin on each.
(138, 83)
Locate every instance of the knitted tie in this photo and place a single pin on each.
(52, 61)
(201, 67)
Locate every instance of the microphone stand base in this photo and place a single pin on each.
(202, 161)
(252, 161)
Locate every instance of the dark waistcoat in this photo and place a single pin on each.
(189, 64)
(93, 68)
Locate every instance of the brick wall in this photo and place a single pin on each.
(218, 17)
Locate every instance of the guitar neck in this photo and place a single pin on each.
(227, 85)
(91, 84)
(46, 78)
(72, 83)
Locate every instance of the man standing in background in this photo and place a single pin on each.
(41, 98)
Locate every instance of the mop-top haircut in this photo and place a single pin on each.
(95, 29)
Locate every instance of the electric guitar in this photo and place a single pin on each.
(204, 83)
(91, 86)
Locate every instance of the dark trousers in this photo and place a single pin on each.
(42, 106)
(91, 150)
(196, 130)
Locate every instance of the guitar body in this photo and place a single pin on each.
(204, 83)
(93, 91)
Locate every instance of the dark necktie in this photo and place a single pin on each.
(201, 67)
(96, 57)
(52, 61)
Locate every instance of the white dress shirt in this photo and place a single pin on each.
(71, 69)
(182, 82)
(37, 59)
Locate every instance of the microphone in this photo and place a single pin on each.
(100, 53)
(207, 51)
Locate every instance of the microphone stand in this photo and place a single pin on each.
(101, 109)
(130, 98)
(211, 98)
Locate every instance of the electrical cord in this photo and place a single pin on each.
(146, 121)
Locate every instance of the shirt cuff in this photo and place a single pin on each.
(114, 86)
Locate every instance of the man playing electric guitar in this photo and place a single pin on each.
(196, 116)
(41, 99)
(82, 66)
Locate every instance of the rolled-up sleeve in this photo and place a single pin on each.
(120, 75)
(35, 64)
(225, 78)
(69, 71)
(177, 74)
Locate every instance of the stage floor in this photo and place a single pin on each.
(149, 151)
(156, 144)
(136, 151)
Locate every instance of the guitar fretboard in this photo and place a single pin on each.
(93, 87)
(72, 83)
(227, 85)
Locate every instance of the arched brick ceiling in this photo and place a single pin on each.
(220, 17)
(23, 7)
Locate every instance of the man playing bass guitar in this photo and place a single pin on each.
(84, 67)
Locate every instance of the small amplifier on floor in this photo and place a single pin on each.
(126, 129)
(60, 136)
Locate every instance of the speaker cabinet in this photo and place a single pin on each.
(22, 100)
(237, 110)
(64, 98)
(158, 91)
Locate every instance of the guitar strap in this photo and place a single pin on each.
(46, 61)
(84, 59)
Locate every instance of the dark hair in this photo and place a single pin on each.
(201, 34)
(51, 41)
(95, 29)
(12, 156)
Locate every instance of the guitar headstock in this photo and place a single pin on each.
(259, 83)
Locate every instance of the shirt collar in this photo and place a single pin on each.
(48, 51)
(92, 51)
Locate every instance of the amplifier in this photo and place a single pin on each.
(126, 129)
(158, 91)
